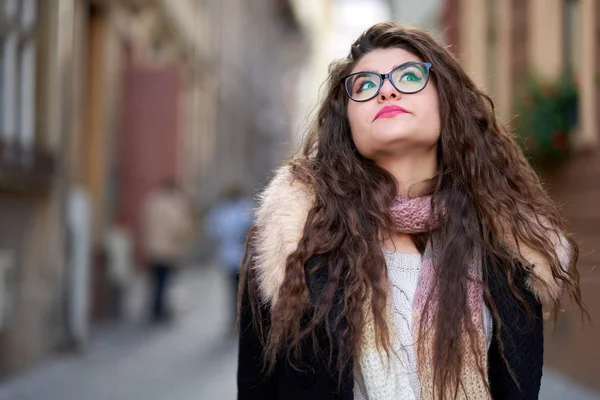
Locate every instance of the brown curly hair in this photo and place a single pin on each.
(489, 192)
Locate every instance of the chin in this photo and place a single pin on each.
(382, 141)
(390, 136)
(396, 144)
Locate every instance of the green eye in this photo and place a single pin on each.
(410, 77)
(366, 85)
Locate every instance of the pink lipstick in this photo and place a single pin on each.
(389, 112)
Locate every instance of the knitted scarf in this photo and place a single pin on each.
(384, 377)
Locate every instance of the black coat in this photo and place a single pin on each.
(522, 335)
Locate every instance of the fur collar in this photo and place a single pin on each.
(280, 218)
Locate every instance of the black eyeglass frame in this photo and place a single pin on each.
(387, 76)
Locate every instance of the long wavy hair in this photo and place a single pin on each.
(488, 192)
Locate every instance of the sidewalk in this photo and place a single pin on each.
(558, 387)
(191, 360)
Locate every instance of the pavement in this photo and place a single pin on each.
(558, 387)
(194, 358)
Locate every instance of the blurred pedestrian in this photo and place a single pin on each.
(167, 228)
(228, 224)
(407, 252)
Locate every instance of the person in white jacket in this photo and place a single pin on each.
(167, 226)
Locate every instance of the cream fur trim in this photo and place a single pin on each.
(543, 284)
(280, 219)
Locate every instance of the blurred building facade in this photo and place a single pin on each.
(35, 96)
(424, 14)
(261, 50)
(499, 43)
(100, 100)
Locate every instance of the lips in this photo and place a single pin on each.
(389, 112)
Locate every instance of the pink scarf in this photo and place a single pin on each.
(414, 216)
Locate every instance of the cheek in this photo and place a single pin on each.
(430, 116)
(353, 113)
(356, 117)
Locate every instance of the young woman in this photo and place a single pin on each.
(407, 253)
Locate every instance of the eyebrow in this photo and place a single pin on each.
(393, 68)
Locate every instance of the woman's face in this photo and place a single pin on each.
(412, 125)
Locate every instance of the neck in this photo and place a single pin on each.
(411, 171)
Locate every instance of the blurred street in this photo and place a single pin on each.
(194, 358)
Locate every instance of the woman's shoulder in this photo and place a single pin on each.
(283, 207)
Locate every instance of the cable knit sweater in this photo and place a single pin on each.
(403, 272)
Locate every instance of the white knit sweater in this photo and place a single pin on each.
(403, 270)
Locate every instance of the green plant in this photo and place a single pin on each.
(547, 114)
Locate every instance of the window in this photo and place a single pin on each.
(571, 34)
(17, 72)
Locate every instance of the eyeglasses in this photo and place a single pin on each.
(408, 78)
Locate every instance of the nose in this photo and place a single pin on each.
(388, 91)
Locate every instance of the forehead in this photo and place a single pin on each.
(384, 60)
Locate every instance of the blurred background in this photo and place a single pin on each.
(134, 135)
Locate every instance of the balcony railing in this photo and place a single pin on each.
(25, 171)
